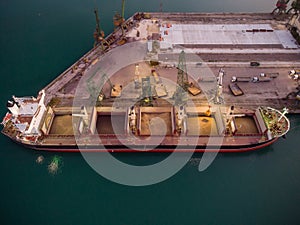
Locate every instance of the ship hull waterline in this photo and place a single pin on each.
(161, 149)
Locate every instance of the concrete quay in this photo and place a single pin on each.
(211, 41)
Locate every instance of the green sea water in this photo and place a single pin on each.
(39, 40)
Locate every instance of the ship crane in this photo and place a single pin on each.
(231, 127)
(84, 122)
(218, 97)
(83, 115)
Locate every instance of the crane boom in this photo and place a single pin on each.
(123, 9)
(98, 28)
(180, 95)
(99, 33)
(218, 99)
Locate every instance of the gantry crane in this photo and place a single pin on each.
(180, 96)
(147, 95)
(96, 89)
(93, 89)
(182, 77)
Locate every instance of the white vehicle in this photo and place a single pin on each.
(293, 72)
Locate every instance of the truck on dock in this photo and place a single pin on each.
(235, 89)
(241, 79)
(294, 74)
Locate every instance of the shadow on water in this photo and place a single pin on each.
(259, 152)
(141, 158)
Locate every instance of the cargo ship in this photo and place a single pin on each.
(142, 89)
(141, 128)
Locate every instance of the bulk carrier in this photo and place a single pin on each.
(152, 85)
(155, 128)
